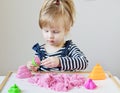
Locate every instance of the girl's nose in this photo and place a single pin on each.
(51, 36)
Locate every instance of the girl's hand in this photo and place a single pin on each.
(51, 62)
(31, 67)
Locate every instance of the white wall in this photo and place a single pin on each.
(96, 32)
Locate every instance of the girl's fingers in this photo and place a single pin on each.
(34, 68)
(48, 65)
(45, 63)
(45, 60)
(31, 67)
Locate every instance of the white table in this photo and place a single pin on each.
(1, 79)
(101, 91)
(117, 79)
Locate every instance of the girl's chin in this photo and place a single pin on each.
(53, 44)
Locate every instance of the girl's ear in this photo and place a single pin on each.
(66, 32)
(67, 29)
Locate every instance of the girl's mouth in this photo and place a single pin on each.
(51, 41)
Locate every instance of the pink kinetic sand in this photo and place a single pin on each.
(58, 82)
(23, 72)
(89, 84)
(37, 60)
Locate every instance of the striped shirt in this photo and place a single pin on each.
(70, 57)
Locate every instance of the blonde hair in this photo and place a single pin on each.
(53, 11)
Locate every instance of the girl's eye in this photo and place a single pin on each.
(55, 32)
(46, 31)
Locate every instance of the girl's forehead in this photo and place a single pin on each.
(55, 24)
(54, 27)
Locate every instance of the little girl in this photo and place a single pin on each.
(56, 18)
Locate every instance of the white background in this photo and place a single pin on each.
(96, 32)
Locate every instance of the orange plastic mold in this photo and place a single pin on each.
(97, 73)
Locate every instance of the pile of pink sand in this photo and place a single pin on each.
(55, 81)
(58, 82)
(23, 72)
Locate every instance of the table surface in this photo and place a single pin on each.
(106, 87)
(1, 79)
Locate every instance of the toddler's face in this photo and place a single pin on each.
(54, 35)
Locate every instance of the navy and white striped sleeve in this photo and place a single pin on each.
(74, 61)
